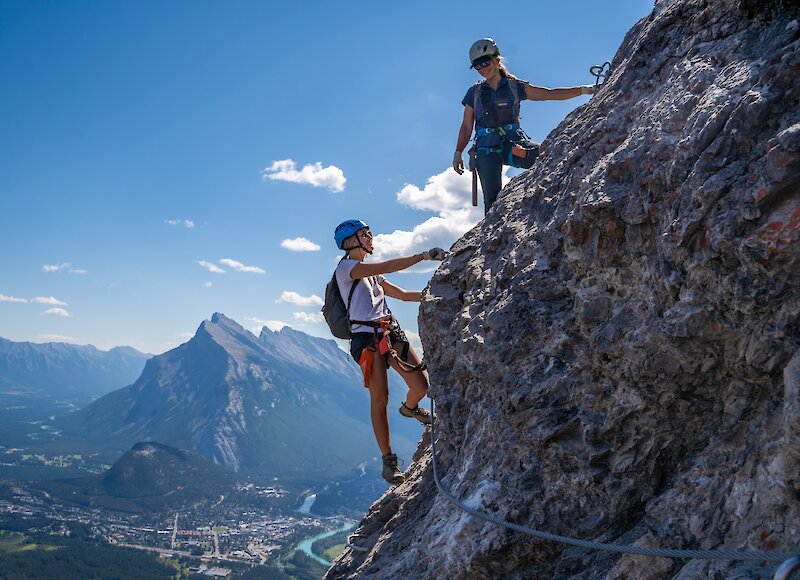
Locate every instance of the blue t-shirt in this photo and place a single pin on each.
(501, 97)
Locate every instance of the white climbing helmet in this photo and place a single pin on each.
(481, 48)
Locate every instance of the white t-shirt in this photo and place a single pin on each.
(368, 302)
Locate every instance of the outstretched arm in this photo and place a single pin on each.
(535, 93)
(393, 291)
(362, 269)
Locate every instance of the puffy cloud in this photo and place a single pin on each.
(211, 267)
(415, 341)
(312, 174)
(300, 245)
(306, 317)
(189, 224)
(273, 325)
(57, 312)
(48, 300)
(56, 267)
(4, 298)
(289, 297)
(450, 196)
(239, 267)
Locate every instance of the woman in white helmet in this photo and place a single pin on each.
(492, 107)
(377, 341)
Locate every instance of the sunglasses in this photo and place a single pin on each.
(367, 234)
(482, 65)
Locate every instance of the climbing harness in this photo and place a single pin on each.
(789, 564)
(600, 71)
(501, 117)
(387, 342)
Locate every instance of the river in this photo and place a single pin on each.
(305, 545)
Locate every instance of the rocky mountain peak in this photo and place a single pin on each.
(615, 350)
(283, 404)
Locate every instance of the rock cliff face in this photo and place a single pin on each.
(615, 351)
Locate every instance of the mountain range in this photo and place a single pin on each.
(66, 371)
(283, 404)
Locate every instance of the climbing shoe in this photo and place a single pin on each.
(391, 472)
(420, 414)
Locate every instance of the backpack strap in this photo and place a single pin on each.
(514, 86)
(476, 96)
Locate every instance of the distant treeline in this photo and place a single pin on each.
(54, 557)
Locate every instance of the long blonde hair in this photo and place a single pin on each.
(503, 70)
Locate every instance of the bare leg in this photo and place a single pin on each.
(379, 400)
(417, 381)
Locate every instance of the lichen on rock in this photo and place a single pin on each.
(615, 350)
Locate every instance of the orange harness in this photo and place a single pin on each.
(382, 344)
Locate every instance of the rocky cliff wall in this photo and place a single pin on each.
(615, 350)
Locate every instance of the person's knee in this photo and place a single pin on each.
(379, 400)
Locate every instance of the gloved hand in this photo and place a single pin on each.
(458, 162)
(435, 253)
(587, 89)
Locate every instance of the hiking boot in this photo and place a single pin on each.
(391, 472)
(420, 414)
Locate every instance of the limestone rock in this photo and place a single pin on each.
(615, 350)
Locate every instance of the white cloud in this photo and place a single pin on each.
(289, 297)
(300, 245)
(306, 317)
(189, 224)
(208, 284)
(415, 341)
(239, 267)
(62, 266)
(4, 298)
(57, 312)
(56, 338)
(48, 300)
(449, 195)
(56, 267)
(312, 174)
(273, 325)
(211, 267)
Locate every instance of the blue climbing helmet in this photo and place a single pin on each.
(346, 229)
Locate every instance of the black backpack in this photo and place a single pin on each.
(335, 311)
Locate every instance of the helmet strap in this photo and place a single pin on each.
(362, 247)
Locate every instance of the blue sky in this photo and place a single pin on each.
(162, 161)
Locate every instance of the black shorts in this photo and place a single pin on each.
(362, 340)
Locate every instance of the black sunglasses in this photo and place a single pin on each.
(482, 65)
